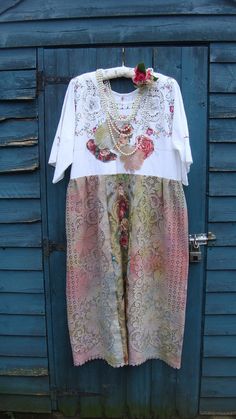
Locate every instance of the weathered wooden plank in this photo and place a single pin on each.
(91, 376)
(17, 59)
(220, 303)
(20, 235)
(218, 387)
(13, 303)
(223, 52)
(20, 210)
(17, 84)
(57, 9)
(223, 78)
(139, 392)
(114, 390)
(24, 385)
(222, 105)
(225, 233)
(219, 346)
(35, 346)
(167, 61)
(118, 30)
(19, 403)
(21, 282)
(222, 130)
(221, 258)
(217, 406)
(69, 62)
(18, 133)
(194, 73)
(221, 281)
(91, 373)
(216, 325)
(222, 209)
(21, 259)
(20, 185)
(219, 367)
(19, 159)
(222, 184)
(19, 109)
(22, 325)
(20, 366)
(223, 156)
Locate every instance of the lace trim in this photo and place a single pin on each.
(123, 364)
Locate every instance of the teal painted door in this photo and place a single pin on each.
(152, 389)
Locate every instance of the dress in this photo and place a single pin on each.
(126, 225)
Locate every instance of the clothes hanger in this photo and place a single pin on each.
(122, 71)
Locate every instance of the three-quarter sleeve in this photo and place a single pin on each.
(61, 155)
(180, 134)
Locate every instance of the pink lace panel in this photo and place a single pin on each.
(127, 268)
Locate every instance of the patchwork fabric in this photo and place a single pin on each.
(127, 268)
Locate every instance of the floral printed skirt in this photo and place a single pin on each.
(127, 268)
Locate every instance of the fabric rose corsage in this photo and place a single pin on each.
(143, 76)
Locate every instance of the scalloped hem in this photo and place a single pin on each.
(123, 364)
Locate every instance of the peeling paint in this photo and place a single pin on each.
(33, 167)
(27, 372)
(21, 142)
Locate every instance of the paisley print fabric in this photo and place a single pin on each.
(127, 267)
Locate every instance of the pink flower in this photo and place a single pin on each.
(139, 77)
(145, 144)
(143, 76)
(104, 152)
(171, 108)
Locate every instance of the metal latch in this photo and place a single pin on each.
(197, 240)
(50, 246)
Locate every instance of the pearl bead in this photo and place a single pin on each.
(111, 111)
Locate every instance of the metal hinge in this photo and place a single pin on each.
(40, 81)
(50, 246)
(43, 80)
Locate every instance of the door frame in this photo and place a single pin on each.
(189, 376)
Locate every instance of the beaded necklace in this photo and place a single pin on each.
(112, 115)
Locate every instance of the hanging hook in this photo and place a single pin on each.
(123, 57)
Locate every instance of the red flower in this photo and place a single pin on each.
(91, 145)
(122, 208)
(145, 144)
(124, 240)
(143, 76)
(139, 77)
(103, 155)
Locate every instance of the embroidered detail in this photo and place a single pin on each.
(123, 211)
(149, 131)
(145, 149)
(103, 154)
(159, 115)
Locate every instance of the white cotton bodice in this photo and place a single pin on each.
(161, 118)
